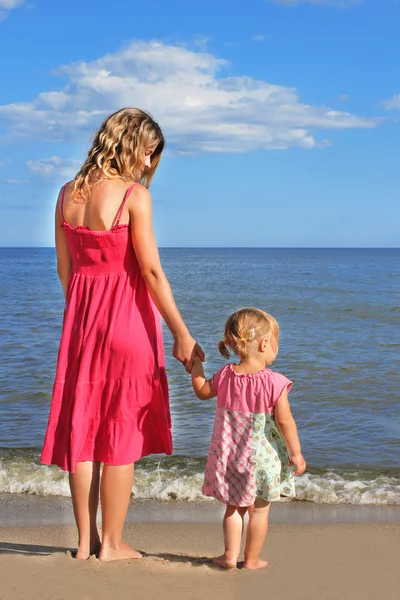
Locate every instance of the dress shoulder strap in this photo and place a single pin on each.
(121, 208)
(62, 203)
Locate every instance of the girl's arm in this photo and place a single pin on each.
(62, 251)
(144, 243)
(287, 426)
(202, 388)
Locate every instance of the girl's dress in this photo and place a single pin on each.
(247, 458)
(110, 397)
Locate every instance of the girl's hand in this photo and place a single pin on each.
(185, 349)
(297, 460)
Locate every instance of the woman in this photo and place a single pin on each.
(110, 398)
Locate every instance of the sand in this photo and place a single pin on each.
(308, 561)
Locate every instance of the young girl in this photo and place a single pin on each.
(248, 463)
(110, 397)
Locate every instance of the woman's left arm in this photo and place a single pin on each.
(62, 251)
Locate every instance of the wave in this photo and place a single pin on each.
(181, 478)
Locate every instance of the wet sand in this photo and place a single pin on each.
(308, 561)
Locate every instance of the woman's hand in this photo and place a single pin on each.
(185, 349)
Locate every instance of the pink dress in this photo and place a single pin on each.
(110, 397)
(247, 458)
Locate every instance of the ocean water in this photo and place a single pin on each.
(339, 313)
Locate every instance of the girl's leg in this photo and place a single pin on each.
(84, 485)
(115, 492)
(233, 525)
(257, 529)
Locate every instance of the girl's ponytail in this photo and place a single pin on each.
(223, 350)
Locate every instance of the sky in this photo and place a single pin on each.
(281, 116)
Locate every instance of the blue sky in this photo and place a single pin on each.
(281, 116)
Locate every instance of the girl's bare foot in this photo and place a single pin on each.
(255, 564)
(122, 552)
(223, 561)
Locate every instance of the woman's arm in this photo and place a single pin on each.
(287, 426)
(144, 243)
(202, 388)
(62, 251)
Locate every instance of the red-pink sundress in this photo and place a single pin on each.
(110, 397)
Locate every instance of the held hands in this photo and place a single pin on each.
(186, 349)
(297, 460)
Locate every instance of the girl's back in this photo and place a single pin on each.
(249, 393)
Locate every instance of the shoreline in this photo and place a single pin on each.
(25, 510)
(307, 561)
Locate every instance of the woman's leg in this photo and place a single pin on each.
(84, 485)
(257, 529)
(233, 525)
(115, 492)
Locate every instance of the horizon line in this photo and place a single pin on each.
(233, 247)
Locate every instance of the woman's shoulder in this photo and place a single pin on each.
(64, 193)
(139, 197)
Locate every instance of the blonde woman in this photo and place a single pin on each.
(110, 397)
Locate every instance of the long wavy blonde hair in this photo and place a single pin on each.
(118, 151)
(243, 328)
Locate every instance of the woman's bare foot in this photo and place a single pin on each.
(255, 565)
(223, 561)
(81, 554)
(124, 551)
(95, 548)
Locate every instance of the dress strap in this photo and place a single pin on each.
(121, 208)
(62, 203)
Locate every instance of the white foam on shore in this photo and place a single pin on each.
(21, 474)
(331, 488)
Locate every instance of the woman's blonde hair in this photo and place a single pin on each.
(243, 328)
(118, 150)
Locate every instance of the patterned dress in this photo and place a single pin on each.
(247, 458)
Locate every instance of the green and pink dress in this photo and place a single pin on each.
(247, 457)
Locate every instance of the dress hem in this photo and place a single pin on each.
(63, 467)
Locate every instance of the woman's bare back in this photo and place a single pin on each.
(100, 212)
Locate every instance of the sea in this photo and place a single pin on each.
(339, 316)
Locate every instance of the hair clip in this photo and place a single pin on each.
(252, 334)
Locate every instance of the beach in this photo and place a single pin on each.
(315, 552)
(308, 561)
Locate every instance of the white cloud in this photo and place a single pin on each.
(10, 4)
(338, 3)
(200, 108)
(259, 38)
(12, 181)
(7, 5)
(393, 102)
(54, 167)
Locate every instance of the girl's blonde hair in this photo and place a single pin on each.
(243, 328)
(118, 150)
